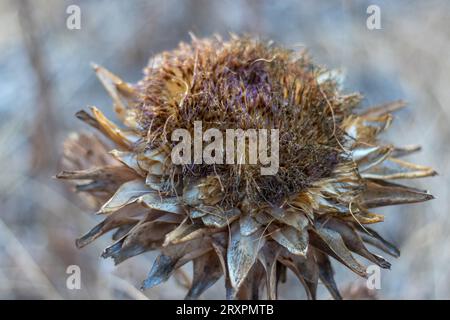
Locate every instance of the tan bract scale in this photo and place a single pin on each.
(229, 219)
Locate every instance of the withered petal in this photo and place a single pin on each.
(162, 269)
(128, 193)
(332, 172)
(405, 150)
(143, 237)
(293, 218)
(185, 231)
(97, 173)
(250, 288)
(364, 217)
(121, 137)
(156, 201)
(295, 241)
(354, 242)
(248, 224)
(365, 129)
(122, 231)
(392, 168)
(373, 158)
(373, 238)
(129, 159)
(121, 92)
(217, 218)
(88, 119)
(124, 217)
(268, 257)
(326, 274)
(174, 257)
(306, 270)
(383, 109)
(361, 152)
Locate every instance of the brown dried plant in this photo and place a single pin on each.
(228, 219)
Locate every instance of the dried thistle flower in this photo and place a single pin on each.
(228, 219)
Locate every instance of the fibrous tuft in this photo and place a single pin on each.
(230, 220)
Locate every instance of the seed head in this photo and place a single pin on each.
(229, 219)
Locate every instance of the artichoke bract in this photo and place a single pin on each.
(229, 219)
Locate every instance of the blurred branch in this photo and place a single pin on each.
(43, 131)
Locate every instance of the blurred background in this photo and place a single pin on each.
(46, 77)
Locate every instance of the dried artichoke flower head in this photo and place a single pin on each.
(230, 220)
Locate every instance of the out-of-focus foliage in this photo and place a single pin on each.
(46, 78)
